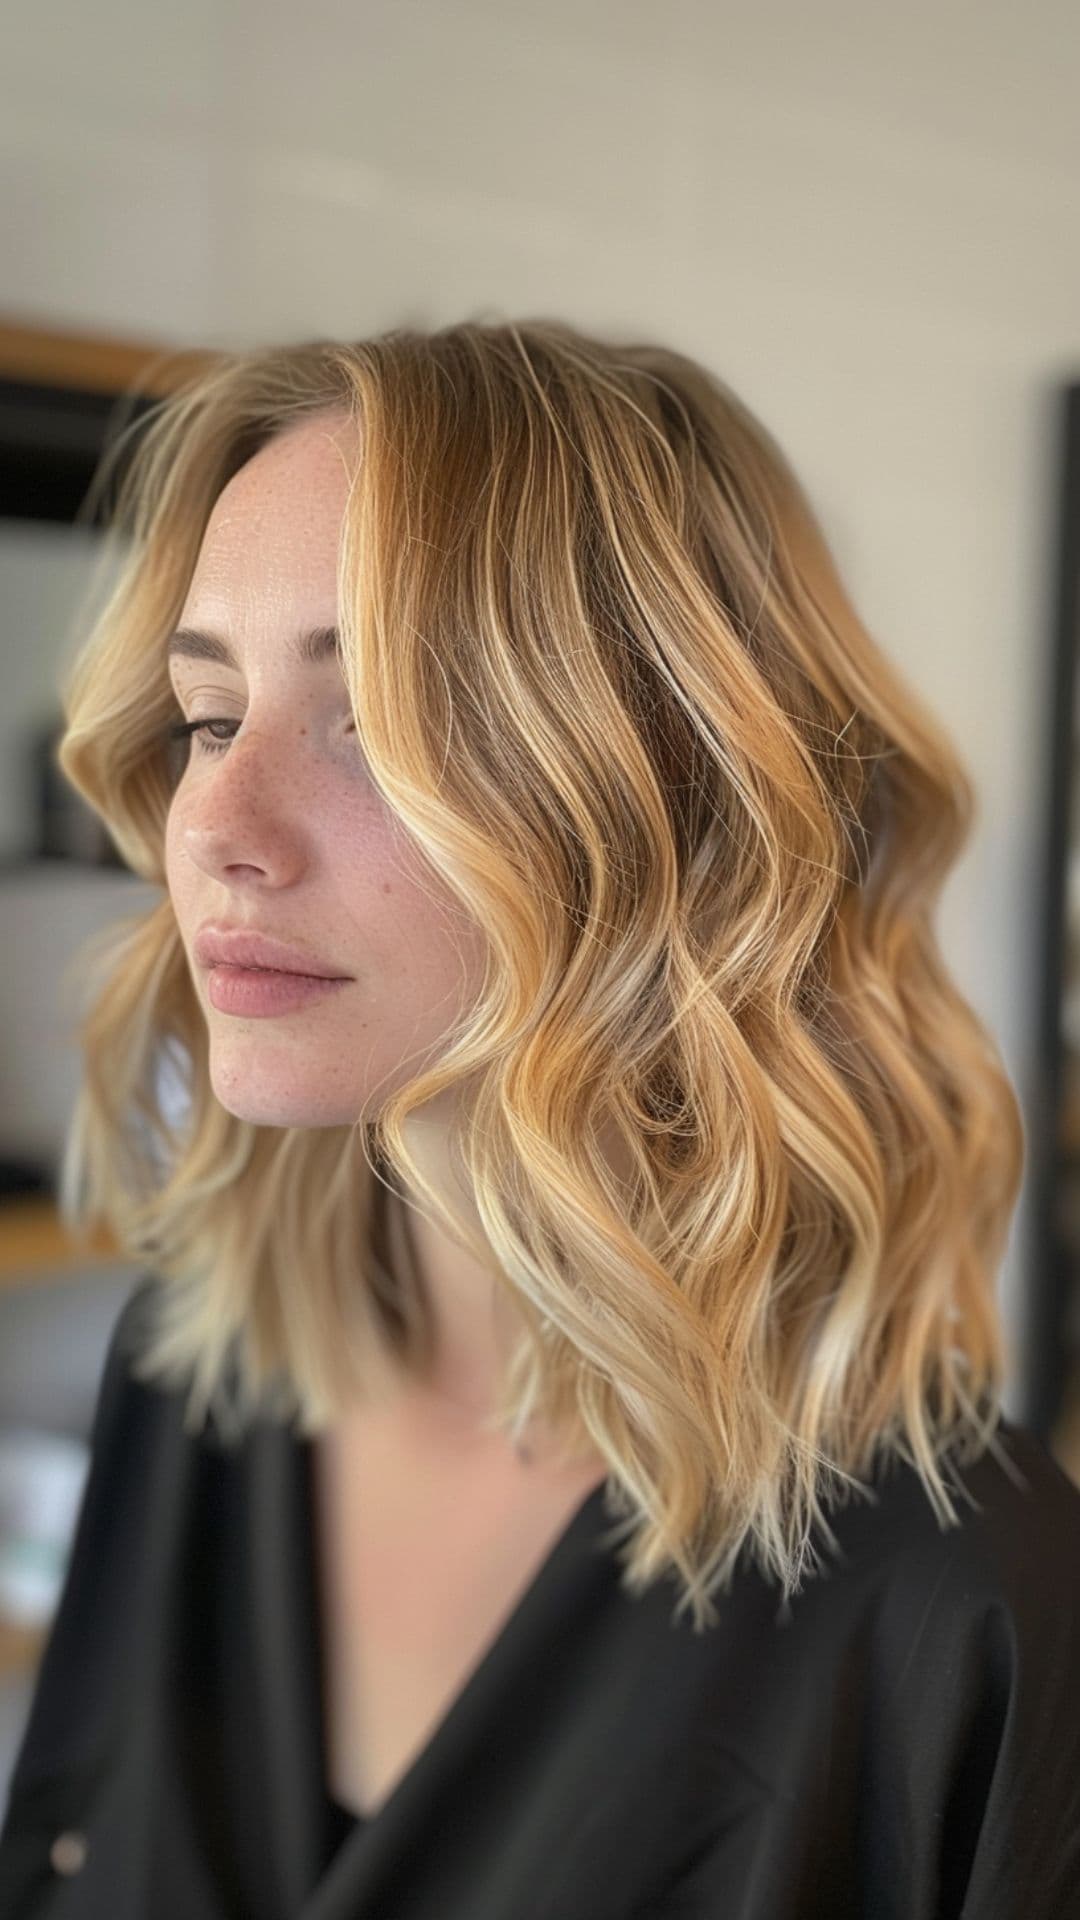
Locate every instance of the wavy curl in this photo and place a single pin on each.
(604, 670)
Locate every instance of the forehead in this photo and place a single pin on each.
(274, 531)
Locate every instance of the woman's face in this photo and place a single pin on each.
(275, 826)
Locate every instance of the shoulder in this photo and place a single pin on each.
(129, 1391)
(132, 1325)
(985, 1605)
(960, 1646)
(1017, 1523)
(1023, 1526)
(123, 1399)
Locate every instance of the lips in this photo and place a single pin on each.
(220, 946)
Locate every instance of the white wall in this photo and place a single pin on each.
(864, 218)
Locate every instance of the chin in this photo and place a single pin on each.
(280, 1104)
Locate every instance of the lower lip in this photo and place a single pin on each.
(251, 991)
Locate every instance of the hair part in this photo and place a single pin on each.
(605, 672)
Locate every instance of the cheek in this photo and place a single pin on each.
(178, 866)
(190, 890)
(170, 849)
(405, 920)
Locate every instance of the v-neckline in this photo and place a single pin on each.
(515, 1624)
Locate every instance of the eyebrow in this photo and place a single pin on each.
(310, 647)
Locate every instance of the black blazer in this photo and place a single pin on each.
(901, 1743)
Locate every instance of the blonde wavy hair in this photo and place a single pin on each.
(604, 671)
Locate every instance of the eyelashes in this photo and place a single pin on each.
(188, 729)
(191, 729)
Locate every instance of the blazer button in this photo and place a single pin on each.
(68, 1851)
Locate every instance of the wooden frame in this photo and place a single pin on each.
(60, 396)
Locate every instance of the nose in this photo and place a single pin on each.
(238, 812)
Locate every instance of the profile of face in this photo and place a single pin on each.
(276, 827)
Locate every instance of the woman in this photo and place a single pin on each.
(578, 1123)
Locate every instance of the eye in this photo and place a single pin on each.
(187, 729)
(183, 730)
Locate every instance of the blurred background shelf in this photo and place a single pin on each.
(20, 1648)
(36, 1247)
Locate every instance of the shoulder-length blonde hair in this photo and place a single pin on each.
(603, 668)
